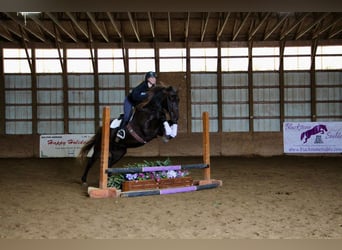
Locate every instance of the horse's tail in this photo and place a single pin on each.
(86, 148)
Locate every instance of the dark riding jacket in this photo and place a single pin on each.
(139, 93)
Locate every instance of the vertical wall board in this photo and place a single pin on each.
(135, 79)
(297, 78)
(112, 81)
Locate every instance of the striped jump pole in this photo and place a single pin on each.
(155, 168)
(169, 190)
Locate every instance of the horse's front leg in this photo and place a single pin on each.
(116, 155)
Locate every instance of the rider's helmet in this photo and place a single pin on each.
(150, 74)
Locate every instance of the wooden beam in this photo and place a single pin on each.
(111, 19)
(241, 25)
(294, 26)
(206, 145)
(187, 25)
(311, 26)
(104, 147)
(55, 20)
(92, 19)
(74, 21)
(169, 26)
(135, 30)
(335, 33)
(38, 22)
(5, 33)
(222, 27)
(24, 26)
(151, 24)
(324, 29)
(29, 60)
(259, 26)
(276, 26)
(204, 26)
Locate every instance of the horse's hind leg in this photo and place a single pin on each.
(90, 163)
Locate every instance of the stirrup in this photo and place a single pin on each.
(121, 134)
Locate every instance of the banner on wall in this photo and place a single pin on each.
(312, 137)
(66, 145)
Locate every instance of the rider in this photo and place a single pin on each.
(136, 96)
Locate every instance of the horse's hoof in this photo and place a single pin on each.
(165, 139)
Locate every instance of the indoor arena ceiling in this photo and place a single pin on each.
(139, 27)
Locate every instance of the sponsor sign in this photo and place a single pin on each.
(66, 145)
(312, 137)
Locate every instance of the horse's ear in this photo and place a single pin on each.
(172, 89)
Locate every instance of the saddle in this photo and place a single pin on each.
(116, 122)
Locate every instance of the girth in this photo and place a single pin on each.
(134, 134)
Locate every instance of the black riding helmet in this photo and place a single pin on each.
(150, 74)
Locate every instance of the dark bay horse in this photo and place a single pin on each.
(145, 125)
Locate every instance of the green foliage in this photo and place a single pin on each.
(117, 179)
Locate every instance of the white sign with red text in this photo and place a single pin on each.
(312, 137)
(65, 145)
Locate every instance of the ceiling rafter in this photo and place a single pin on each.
(219, 34)
(251, 35)
(169, 26)
(235, 35)
(204, 26)
(135, 29)
(5, 33)
(329, 26)
(16, 33)
(55, 20)
(299, 35)
(276, 26)
(178, 27)
(78, 26)
(22, 25)
(151, 24)
(92, 19)
(187, 26)
(42, 26)
(335, 33)
(294, 26)
(112, 21)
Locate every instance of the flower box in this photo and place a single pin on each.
(175, 182)
(139, 185)
(153, 184)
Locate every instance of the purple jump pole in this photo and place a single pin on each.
(168, 190)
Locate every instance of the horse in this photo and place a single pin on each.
(315, 130)
(146, 123)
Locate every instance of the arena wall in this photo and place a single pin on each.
(225, 144)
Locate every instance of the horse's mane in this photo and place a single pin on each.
(153, 93)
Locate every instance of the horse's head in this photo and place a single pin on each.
(163, 100)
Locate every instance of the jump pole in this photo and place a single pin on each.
(103, 191)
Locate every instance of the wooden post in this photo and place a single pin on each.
(206, 145)
(104, 147)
